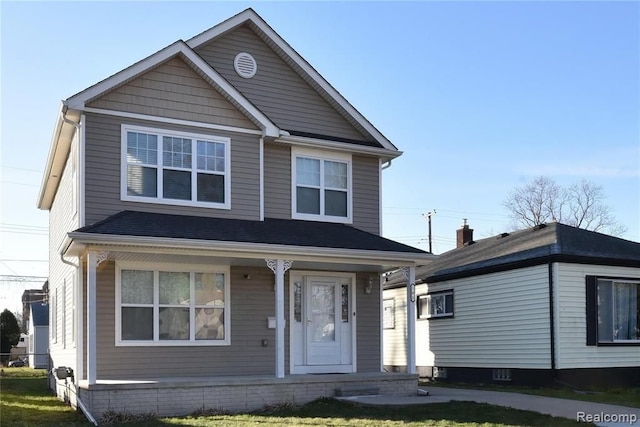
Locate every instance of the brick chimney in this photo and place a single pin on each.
(464, 235)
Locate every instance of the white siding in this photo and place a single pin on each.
(571, 325)
(395, 339)
(501, 320)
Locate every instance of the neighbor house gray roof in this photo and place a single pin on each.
(552, 242)
(40, 314)
(269, 231)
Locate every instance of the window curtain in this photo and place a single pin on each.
(626, 305)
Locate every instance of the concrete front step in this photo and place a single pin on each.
(356, 391)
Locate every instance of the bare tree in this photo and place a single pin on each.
(580, 205)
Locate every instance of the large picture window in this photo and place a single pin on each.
(172, 306)
(321, 186)
(613, 310)
(175, 167)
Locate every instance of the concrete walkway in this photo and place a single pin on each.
(598, 413)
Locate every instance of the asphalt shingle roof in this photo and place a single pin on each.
(270, 231)
(550, 242)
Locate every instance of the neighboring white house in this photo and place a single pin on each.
(39, 336)
(20, 350)
(551, 303)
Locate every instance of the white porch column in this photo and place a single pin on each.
(410, 274)
(279, 267)
(93, 260)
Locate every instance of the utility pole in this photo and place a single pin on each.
(428, 215)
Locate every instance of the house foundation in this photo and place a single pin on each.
(183, 396)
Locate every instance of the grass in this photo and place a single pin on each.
(330, 412)
(25, 401)
(629, 396)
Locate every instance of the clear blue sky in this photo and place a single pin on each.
(481, 96)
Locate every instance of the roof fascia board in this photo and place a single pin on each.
(254, 249)
(251, 15)
(341, 146)
(59, 147)
(78, 101)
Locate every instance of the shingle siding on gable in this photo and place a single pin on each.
(174, 90)
(276, 89)
(102, 155)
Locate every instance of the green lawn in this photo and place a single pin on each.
(25, 401)
(615, 396)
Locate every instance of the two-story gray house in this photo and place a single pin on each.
(215, 233)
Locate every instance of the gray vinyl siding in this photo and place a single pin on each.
(103, 163)
(276, 89)
(174, 90)
(62, 219)
(366, 189)
(252, 301)
(571, 323)
(366, 193)
(277, 181)
(367, 325)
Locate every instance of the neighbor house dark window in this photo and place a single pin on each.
(613, 310)
(436, 304)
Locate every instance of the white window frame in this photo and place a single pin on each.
(159, 167)
(429, 297)
(173, 268)
(322, 156)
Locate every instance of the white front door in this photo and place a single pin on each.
(323, 321)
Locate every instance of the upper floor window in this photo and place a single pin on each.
(437, 304)
(321, 187)
(173, 167)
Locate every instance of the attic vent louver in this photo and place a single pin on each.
(245, 65)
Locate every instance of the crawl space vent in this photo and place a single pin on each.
(245, 65)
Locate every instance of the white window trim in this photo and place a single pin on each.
(190, 268)
(321, 155)
(172, 133)
(431, 295)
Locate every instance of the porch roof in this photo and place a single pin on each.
(294, 239)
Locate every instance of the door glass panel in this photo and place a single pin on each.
(322, 327)
(345, 303)
(297, 302)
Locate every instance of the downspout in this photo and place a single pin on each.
(386, 165)
(85, 411)
(552, 328)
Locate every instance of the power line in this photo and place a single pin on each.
(19, 183)
(20, 169)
